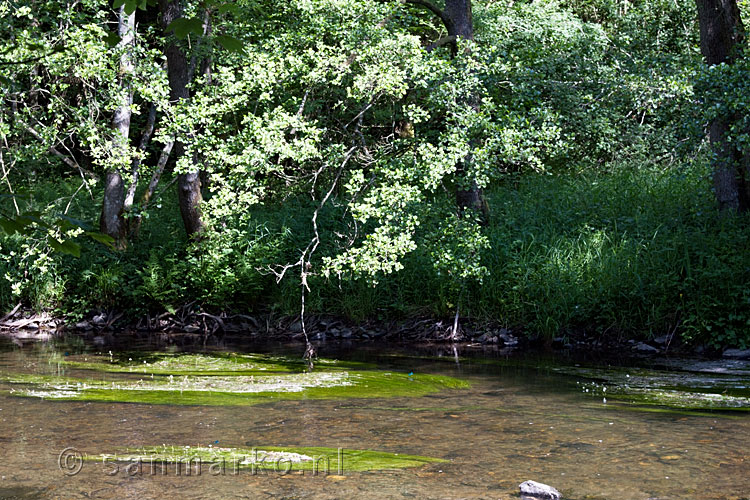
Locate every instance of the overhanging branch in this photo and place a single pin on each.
(432, 8)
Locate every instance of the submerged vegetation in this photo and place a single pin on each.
(195, 380)
(551, 166)
(687, 390)
(215, 364)
(267, 459)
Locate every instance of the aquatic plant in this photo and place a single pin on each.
(674, 389)
(189, 379)
(225, 364)
(269, 458)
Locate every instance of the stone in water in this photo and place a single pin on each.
(537, 491)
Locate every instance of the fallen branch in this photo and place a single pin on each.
(10, 314)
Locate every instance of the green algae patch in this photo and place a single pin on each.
(673, 389)
(685, 400)
(269, 459)
(235, 390)
(219, 364)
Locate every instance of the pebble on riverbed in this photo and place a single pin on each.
(531, 490)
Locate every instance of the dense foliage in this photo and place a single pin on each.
(332, 137)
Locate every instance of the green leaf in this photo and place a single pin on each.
(34, 217)
(184, 26)
(72, 248)
(229, 7)
(75, 222)
(230, 43)
(67, 246)
(116, 4)
(105, 239)
(130, 6)
(112, 39)
(56, 245)
(18, 196)
(10, 226)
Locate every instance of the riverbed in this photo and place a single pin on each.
(513, 418)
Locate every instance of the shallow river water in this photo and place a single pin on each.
(515, 422)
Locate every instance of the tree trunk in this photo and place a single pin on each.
(112, 222)
(460, 21)
(188, 184)
(460, 25)
(722, 36)
(135, 170)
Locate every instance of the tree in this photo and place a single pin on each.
(722, 41)
(112, 221)
(178, 72)
(458, 21)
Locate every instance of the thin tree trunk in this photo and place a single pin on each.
(135, 170)
(188, 184)
(722, 37)
(151, 189)
(112, 221)
(460, 25)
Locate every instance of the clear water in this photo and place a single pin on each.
(513, 424)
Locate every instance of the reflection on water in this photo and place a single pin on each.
(514, 423)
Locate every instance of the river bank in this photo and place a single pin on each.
(191, 323)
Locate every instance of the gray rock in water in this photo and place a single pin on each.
(84, 325)
(538, 491)
(737, 353)
(641, 347)
(662, 340)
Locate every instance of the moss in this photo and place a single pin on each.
(270, 458)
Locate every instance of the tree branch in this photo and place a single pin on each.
(432, 8)
(443, 41)
(53, 150)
